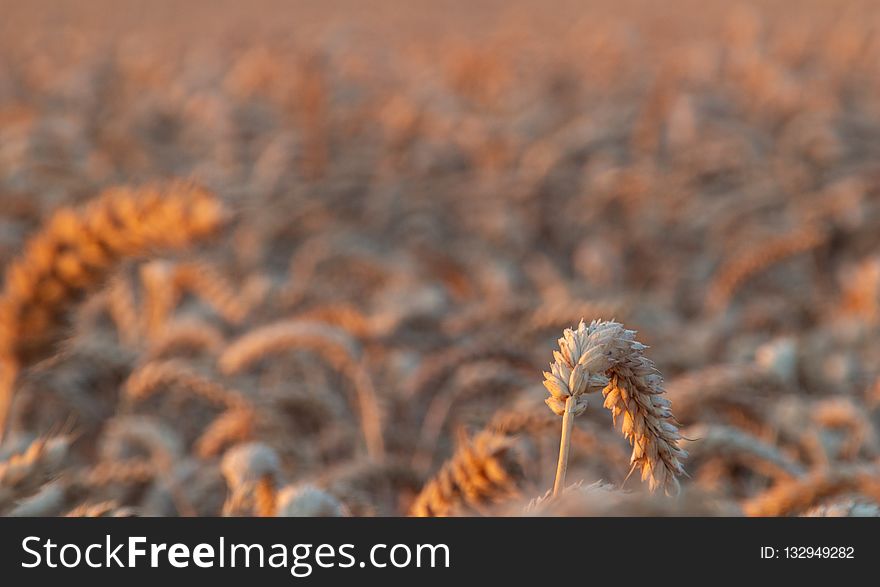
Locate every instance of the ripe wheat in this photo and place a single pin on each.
(606, 356)
(484, 471)
(75, 252)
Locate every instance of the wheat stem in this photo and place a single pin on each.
(564, 444)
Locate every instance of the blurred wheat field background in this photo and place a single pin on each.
(311, 259)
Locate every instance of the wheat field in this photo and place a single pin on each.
(440, 259)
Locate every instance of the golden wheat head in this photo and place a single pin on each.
(604, 355)
(76, 251)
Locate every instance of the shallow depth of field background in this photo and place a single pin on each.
(446, 186)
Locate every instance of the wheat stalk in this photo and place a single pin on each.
(606, 356)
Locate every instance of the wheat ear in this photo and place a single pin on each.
(739, 270)
(484, 471)
(158, 375)
(604, 355)
(77, 250)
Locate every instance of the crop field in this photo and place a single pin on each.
(439, 258)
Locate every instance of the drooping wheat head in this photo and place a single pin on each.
(77, 250)
(604, 355)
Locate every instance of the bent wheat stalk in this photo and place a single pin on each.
(606, 356)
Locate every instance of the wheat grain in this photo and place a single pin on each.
(332, 343)
(350, 319)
